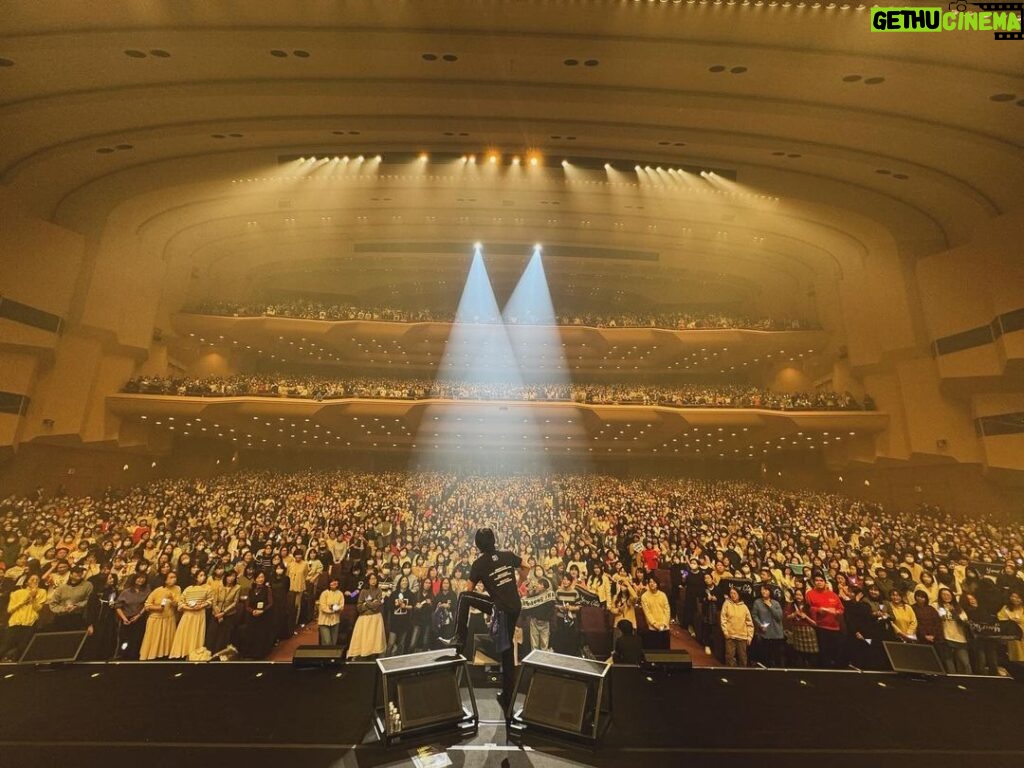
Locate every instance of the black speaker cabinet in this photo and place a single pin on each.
(318, 656)
(565, 696)
(667, 661)
(419, 694)
(53, 647)
(914, 658)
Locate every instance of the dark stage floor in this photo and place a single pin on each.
(258, 714)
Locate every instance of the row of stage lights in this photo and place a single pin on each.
(533, 160)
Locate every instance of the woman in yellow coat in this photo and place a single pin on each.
(162, 606)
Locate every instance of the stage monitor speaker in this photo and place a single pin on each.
(564, 695)
(667, 660)
(318, 656)
(421, 693)
(556, 701)
(429, 698)
(913, 658)
(50, 647)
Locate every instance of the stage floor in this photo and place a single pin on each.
(256, 714)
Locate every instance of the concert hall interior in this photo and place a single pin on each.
(678, 297)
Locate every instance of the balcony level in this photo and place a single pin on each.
(561, 427)
(420, 347)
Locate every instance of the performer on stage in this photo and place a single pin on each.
(500, 571)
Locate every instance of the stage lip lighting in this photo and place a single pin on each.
(478, 245)
(538, 247)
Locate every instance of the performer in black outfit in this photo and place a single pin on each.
(498, 570)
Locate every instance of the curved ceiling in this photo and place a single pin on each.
(172, 120)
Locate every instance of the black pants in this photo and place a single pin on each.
(656, 640)
(69, 622)
(484, 604)
(15, 641)
(830, 645)
(772, 652)
(129, 639)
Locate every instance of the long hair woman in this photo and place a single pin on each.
(368, 638)
(444, 610)
(130, 607)
(191, 632)
(260, 628)
(223, 613)
(400, 620)
(162, 606)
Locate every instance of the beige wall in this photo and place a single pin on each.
(968, 286)
(790, 378)
(39, 262)
(213, 361)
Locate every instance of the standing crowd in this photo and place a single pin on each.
(197, 568)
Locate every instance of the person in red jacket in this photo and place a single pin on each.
(651, 556)
(825, 608)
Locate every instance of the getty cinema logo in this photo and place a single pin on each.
(1001, 18)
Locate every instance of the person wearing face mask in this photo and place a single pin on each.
(101, 618)
(68, 602)
(23, 609)
(161, 622)
(279, 584)
(190, 634)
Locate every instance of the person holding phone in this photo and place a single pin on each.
(130, 608)
(161, 605)
(329, 608)
(767, 616)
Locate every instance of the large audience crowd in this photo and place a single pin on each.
(307, 310)
(321, 388)
(193, 568)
